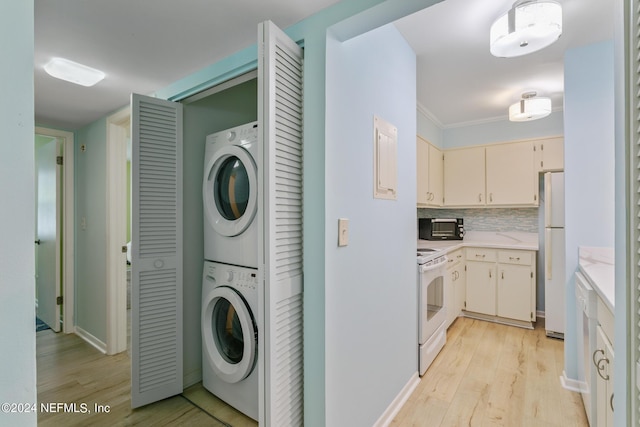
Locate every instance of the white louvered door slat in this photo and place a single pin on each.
(634, 195)
(156, 294)
(280, 68)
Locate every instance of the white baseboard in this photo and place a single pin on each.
(192, 378)
(395, 406)
(99, 345)
(571, 384)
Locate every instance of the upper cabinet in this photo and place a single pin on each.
(549, 154)
(511, 178)
(464, 177)
(429, 169)
(500, 175)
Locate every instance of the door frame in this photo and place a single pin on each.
(116, 227)
(68, 231)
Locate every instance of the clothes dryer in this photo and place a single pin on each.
(230, 196)
(230, 335)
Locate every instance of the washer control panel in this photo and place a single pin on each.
(241, 277)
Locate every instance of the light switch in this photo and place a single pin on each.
(343, 232)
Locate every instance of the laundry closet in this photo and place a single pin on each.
(169, 155)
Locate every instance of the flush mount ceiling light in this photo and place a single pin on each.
(73, 72)
(528, 26)
(529, 108)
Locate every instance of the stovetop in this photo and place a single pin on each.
(426, 255)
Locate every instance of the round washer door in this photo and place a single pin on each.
(230, 190)
(229, 334)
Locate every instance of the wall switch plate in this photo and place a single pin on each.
(343, 232)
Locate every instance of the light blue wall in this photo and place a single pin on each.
(91, 242)
(503, 130)
(429, 130)
(589, 166)
(370, 287)
(17, 224)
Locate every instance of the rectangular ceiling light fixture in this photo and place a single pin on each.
(73, 72)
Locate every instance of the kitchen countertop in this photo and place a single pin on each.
(487, 239)
(597, 264)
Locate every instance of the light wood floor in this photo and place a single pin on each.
(494, 375)
(487, 375)
(71, 371)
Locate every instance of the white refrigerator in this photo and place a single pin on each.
(554, 255)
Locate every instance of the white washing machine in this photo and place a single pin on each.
(230, 335)
(230, 196)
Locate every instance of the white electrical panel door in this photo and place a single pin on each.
(385, 156)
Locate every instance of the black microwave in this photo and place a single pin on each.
(440, 228)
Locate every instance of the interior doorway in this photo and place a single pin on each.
(118, 227)
(54, 228)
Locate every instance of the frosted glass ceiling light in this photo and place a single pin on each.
(529, 108)
(73, 72)
(528, 26)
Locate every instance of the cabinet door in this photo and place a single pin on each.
(460, 288)
(464, 177)
(449, 296)
(514, 292)
(549, 154)
(511, 179)
(436, 176)
(603, 365)
(481, 287)
(422, 171)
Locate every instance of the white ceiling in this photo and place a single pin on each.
(145, 45)
(460, 82)
(142, 46)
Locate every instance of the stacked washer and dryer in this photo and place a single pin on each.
(230, 322)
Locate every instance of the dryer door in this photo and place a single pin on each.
(229, 334)
(230, 190)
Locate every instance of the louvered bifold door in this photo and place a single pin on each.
(156, 294)
(634, 202)
(280, 116)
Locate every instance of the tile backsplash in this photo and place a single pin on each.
(490, 219)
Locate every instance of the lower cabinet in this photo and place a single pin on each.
(502, 284)
(603, 363)
(454, 285)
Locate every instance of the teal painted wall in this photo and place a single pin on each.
(91, 241)
(17, 225)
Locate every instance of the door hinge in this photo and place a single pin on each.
(59, 300)
(532, 315)
(535, 197)
(465, 304)
(124, 249)
(59, 160)
(532, 274)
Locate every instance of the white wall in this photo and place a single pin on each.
(589, 166)
(17, 223)
(370, 286)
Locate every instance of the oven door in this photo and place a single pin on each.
(432, 305)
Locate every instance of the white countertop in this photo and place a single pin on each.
(498, 240)
(598, 265)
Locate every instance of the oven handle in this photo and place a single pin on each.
(426, 268)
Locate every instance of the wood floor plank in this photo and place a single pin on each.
(490, 374)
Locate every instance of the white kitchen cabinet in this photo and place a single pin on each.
(500, 285)
(603, 360)
(464, 177)
(430, 173)
(549, 154)
(481, 281)
(454, 285)
(516, 285)
(510, 175)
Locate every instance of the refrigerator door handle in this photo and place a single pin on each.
(547, 199)
(548, 254)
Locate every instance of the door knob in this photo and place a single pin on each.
(37, 242)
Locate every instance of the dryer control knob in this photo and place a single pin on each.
(229, 275)
(231, 136)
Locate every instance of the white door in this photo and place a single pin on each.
(280, 65)
(47, 232)
(156, 279)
